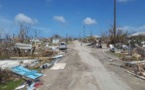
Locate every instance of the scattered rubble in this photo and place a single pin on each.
(133, 64)
(30, 63)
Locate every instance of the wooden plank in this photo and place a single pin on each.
(135, 74)
(41, 58)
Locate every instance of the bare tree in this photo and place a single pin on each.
(108, 36)
(24, 32)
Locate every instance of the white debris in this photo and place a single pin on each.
(12, 63)
(58, 66)
(23, 46)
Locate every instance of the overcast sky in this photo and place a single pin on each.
(50, 17)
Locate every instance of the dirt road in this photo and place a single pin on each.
(88, 69)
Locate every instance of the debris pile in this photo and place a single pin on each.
(5, 74)
(134, 63)
(29, 62)
(49, 53)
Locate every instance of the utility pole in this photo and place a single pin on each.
(66, 37)
(35, 34)
(84, 31)
(114, 21)
(13, 35)
(91, 34)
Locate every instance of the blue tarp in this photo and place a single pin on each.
(25, 72)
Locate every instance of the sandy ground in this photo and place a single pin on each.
(89, 69)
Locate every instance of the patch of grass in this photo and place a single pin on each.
(37, 68)
(116, 54)
(10, 84)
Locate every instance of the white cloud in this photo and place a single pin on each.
(25, 19)
(59, 18)
(89, 21)
(133, 29)
(125, 0)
